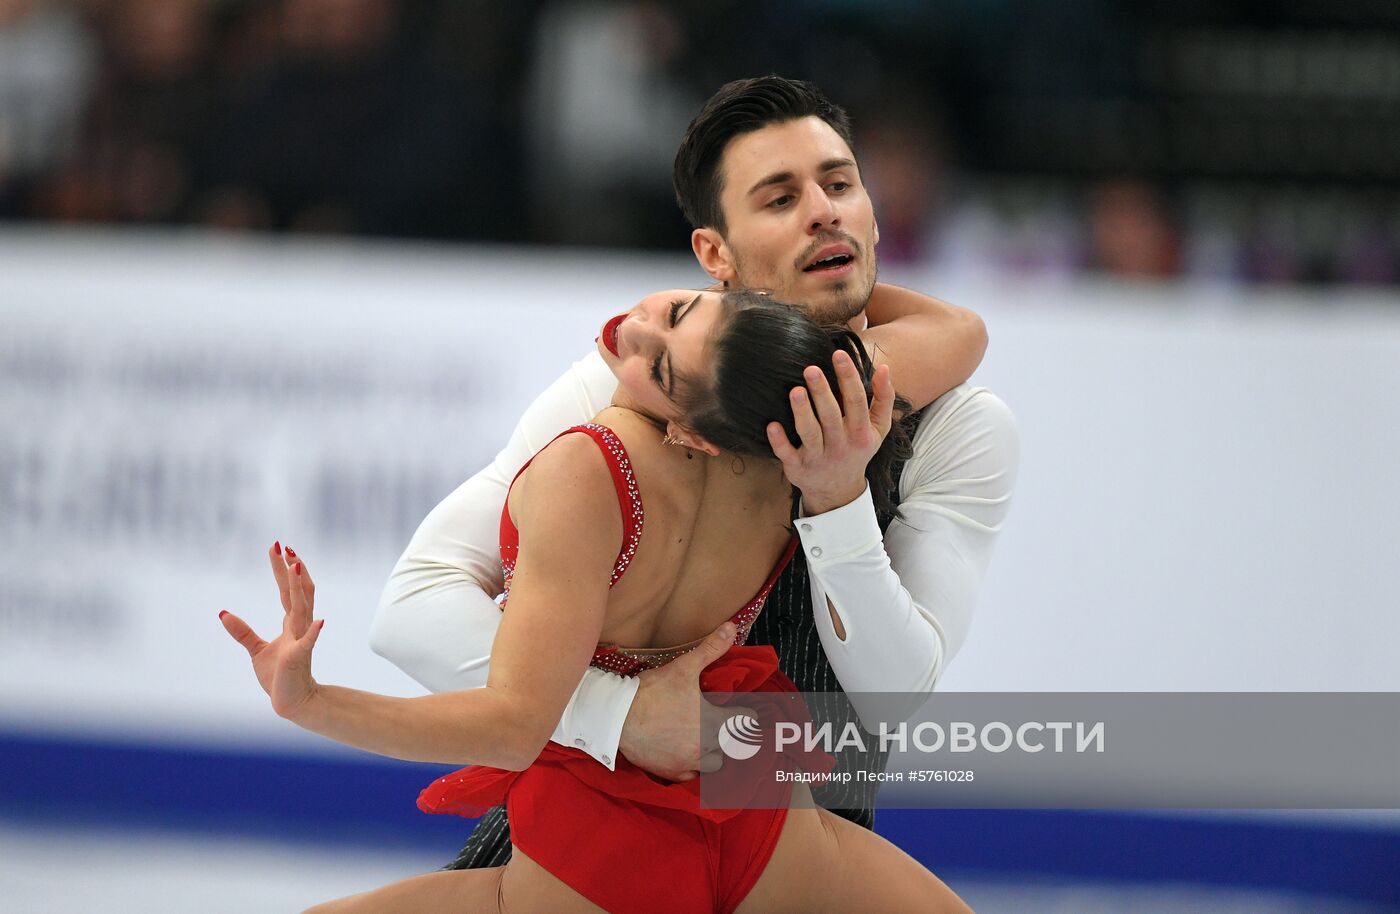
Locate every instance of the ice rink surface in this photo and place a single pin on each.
(55, 870)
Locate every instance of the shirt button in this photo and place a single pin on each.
(607, 760)
(816, 552)
(580, 743)
(806, 528)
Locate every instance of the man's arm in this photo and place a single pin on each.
(904, 602)
(935, 345)
(437, 618)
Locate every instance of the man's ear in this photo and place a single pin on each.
(689, 438)
(877, 231)
(714, 255)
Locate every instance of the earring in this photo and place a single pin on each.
(667, 439)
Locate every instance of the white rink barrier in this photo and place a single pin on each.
(1207, 501)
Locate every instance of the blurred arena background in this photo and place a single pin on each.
(291, 269)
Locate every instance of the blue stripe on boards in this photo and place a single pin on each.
(361, 799)
(352, 798)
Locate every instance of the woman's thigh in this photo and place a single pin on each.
(823, 863)
(520, 887)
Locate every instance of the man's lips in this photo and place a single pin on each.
(609, 335)
(841, 257)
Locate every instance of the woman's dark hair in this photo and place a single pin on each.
(759, 354)
(740, 107)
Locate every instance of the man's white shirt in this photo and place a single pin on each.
(905, 600)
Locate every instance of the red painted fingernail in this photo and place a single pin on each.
(298, 569)
(277, 547)
(222, 613)
(291, 552)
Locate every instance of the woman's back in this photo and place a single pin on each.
(713, 531)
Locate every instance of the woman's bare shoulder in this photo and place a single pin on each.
(659, 466)
(635, 430)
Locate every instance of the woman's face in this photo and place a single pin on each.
(665, 337)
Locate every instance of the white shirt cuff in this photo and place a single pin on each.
(593, 719)
(841, 533)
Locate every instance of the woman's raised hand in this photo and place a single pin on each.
(283, 665)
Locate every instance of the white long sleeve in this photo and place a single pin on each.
(906, 600)
(438, 616)
(905, 615)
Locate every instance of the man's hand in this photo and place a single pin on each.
(663, 731)
(838, 439)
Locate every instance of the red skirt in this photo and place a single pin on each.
(631, 842)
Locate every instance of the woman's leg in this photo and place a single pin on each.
(520, 887)
(825, 863)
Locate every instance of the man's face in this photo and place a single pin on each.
(800, 223)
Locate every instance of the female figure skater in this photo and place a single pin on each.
(708, 372)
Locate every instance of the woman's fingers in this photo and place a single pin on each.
(242, 633)
(308, 641)
(308, 586)
(299, 618)
(297, 589)
(279, 572)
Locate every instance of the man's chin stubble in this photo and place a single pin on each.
(845, 302)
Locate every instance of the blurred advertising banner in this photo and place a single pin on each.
(170, 408)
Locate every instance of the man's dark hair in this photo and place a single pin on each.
(759, 355)
(740, 107)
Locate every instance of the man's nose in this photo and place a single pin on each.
(822, 212)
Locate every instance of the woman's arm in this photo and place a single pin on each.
(438, 617)
(931, 345)
(570, 526)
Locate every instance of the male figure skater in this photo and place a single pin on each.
(767, 178)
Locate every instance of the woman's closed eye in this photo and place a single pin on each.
(676, 306)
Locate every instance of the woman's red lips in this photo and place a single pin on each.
(609, 334)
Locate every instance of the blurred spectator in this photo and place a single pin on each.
(556, 121)
(337, 125)
(903, 162)
(605, 118)
(150, 116)
(1131, 231)
(46, 69)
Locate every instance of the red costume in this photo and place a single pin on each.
(624, 839)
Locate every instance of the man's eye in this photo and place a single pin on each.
(780, 202)
(839, 186)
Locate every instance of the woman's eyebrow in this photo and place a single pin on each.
(680, 315)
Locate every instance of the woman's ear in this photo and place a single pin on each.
(714, 255)
(688, 438)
